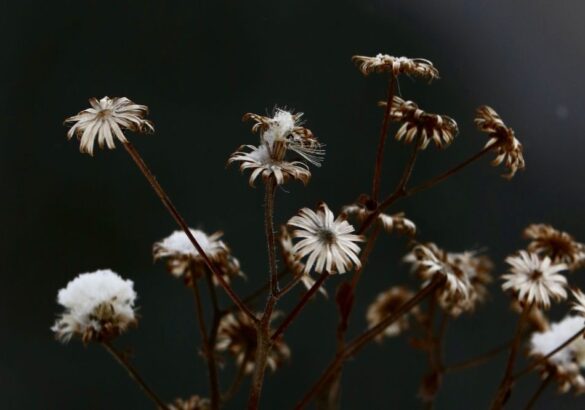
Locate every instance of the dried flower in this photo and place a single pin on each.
(417, 67)
(397, 222)
(421, 126)
(386, 304)
(534, 280)
(294, 263)
(183, 260)
(237, 335)
(192, 403)
(262, 164)
(468, 274)
(579, 304)
(98, 306)
(508, 149)
(564, 365)
(560, 246)
(429, 260)
(328, 242)
(279, 134)
(105, 120)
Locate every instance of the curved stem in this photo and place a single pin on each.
(209, 354)
(297, 309)
(383, 134)
(181, 222)
(355, 345)
(233, 389)
(120, 358)
(505, 387)
(478, 360)
(541, 388)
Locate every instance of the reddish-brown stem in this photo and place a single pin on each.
(297, 309)
(397, 194)
(355, 345)
(542, 359)
(371, 241)
(383, 134)
(251, 298)
(181, 222)
(541, 388)
(270, 239)
(478, 360)
(505, 387)
(207, 348)
(261, 358)
(289, 286)
(124, 362)
(233, 389)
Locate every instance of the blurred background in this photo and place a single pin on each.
(199, 65)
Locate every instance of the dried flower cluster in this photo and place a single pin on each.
(99, 306)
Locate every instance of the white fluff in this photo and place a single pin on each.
(543, 343)
(92, 299)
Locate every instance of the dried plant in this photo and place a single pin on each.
(318, 247)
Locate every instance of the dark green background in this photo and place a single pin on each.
(199, 65)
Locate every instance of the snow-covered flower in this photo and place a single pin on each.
(503, 140)
(97, 306)
(565, 365)
(421, 126)
(237, 335)
(327, 241)
(106, 120)
(280, 134)
(558, 245)
(183, 259)
(418, 67)
(534, 279)
(391, 223)
(386, 304)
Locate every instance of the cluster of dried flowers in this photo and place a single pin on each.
(317, 244)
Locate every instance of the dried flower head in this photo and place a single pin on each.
(294, 263)
(192, 403)
(386, 304)
(565, 365)
(260, 161)
(237, 335)
(106, 120)
(535, 280)
(503, 140)
(391, 223)
(560, 246)
(467, 274)
(417, 67)
(579, 304)
(421, 126)
(327, 241)
(183, 260)
(98, 306)
(279, 134)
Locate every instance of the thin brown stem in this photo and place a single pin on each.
(124, 362)
(241, 373)
(505, 388)
(478, 360)
(382, 141)
(252, 297)
(542, 359)
(270, 238)
(368, 248)
(355, 345)
(208, 350)
(541, 388)
(262, 351)
(289, 286)
(397, 194)
(181, 222)
(297, 309)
